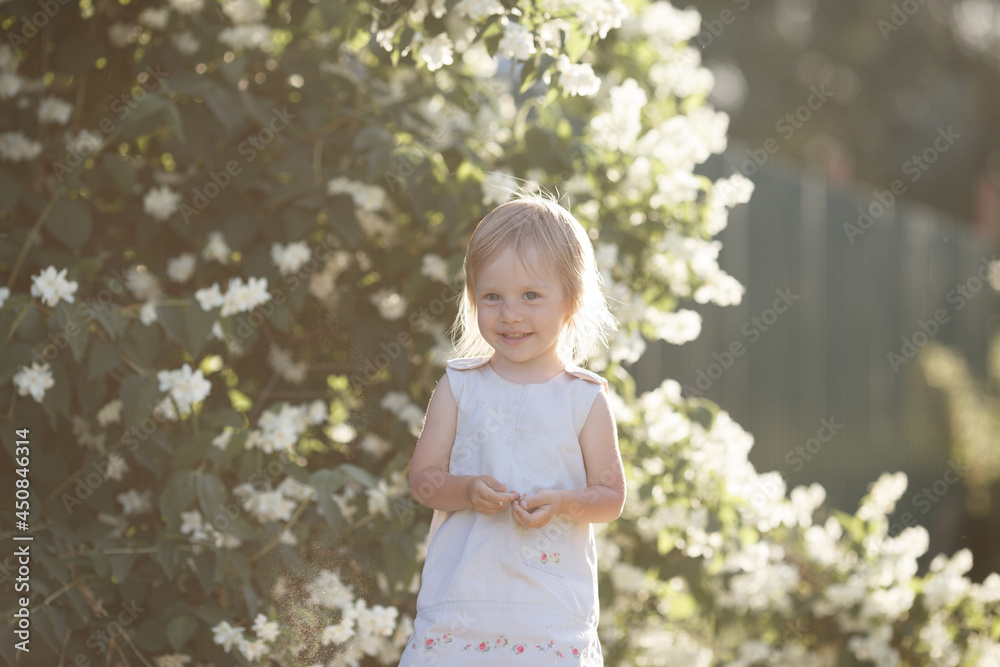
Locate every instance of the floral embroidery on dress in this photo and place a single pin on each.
(501, 641)
(549, 558)
(430, 642)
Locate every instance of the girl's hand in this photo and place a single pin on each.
(538, 510)
(488, 496)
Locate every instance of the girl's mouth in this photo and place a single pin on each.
(514, 339)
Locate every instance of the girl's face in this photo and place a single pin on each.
(521, 308)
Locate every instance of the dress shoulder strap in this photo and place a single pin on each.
(590, 376)
(467, 363)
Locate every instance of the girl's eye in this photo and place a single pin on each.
(492, 297)
(531, 295)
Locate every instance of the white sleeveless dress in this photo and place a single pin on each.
(493, 593)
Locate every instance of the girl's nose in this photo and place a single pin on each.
(509, 313)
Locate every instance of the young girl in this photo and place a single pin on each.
(518, 454)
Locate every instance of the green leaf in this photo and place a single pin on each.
(179, 631)
(211, 493)
(13, 357)
(227, 107)
(70, 222)
(181, 488)
(359, 475)
(10, 190)
(327, 482)
(139, 396)
(75, 326)
(120, 174)
(121, 565)
(188, 325)
(109, 318)
(398, 556)
(103, 357)
(166, 549)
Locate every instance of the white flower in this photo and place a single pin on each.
(243, 298)
(161, 202)
(35, 380)
(257, 36)
(391, 304)
(881, 500)
(209, 297)
(317, 412)
(181, 268)
(578, 78)
(226, 635)
(283, 364)
(477, 10)
(435, 268)
(597, 18)
(191, 522)
(54, 110)
(15, 147)
(143, 284)
(185, 42)
(289, 258)
(253, 650)
(187, 6)
(52, 286)
(946, 584)
(121, 35)
(147, 313)
(4, 295)
(134, 502)
(517, 42)
(243, 11)
(339, 633)
(10, 84)
(172, 660)
(84, 143)
(342, 432)
(222, 440)
(268, 505)
(110, 413)
(327, 590)
(437, 52)
(676, 328)
(375, 445)
(367, 197)
(265, 629)
(186, 387)
(154, 17)
(117, 467)
(216, 248)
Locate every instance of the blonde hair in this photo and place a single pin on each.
(539, 222)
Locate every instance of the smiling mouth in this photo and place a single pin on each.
(515, 336)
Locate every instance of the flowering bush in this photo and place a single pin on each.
(229, 306)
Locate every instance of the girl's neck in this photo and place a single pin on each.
(536, 374)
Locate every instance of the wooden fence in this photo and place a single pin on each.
(826, 356)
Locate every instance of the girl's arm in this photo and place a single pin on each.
(430, 481)
(603, 499)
